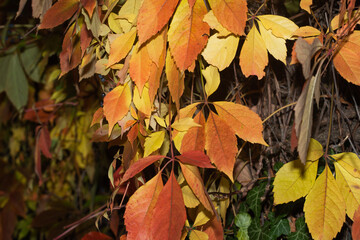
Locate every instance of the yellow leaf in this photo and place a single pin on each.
(280, 26)
(253, 55)
(224, 187)
(184, 124)
(198, 235)
(220, 52)
(121, 46)
(153, 142)
(305, 4)
(212, 77)
(349, 187)
(160, 121)
(114, 23)
(306, 31)
(178, 139)
(294, 180)
(210, 19)
(324, 207)
(275, 45)
(142, 103)
(347, 61)
(156, 46)
(202, 218)
(129, 10)
(315, 150)
(349, 161)
(190, 199)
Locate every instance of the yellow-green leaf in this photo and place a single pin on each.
(294, 180)
(153, 142)
(212, 77)
(324, 207)
(280, 26)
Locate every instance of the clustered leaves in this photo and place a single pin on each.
(159, 64)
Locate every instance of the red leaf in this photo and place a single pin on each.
(59, 13)
(95, 236)
(169, 213)
(196, 158)
(42, 111)
(45, 142)
(139, 209)
(355, 230)
(85, 39)
(153, 16)
(89, 5)
(139, 166)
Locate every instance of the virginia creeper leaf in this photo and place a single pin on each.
(212, 77)
(121, 46)
(349, 161)
(153, 16)
(220, 144)
(324, 207)
(232, 14)
(59, 13)
(355, 229)
(214, 229)
(194, 139)
(305, 4)
(96, 236)
(175, 79)
(198, 235)
(89, 5)
(153, 142)
(210, 19)
(188, 33)
(253, 55)
(195, 158)
(280, 26)
(184, 124)
(169, 213)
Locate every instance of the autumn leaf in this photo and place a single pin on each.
(116, 104)
(294, 180)
(214, 229)
(220, 51)
(210, 19)
(253, 55)
(194, 139)
(355, 229)
(157, 46)
(153, 16)
(188, 33)
(140, 209)
(349, 161)
(142, 102)
(121, 46)
(324, 207)
(220, 144)
(280, 26)
(175, 79)
(212, 77)
(305, 4)
(232, 14)
(139, 166)
(184, 124)
(244, 122)
(195, 158)
(347, 61)
(194, 180)
(169, 214)
(89, 5)
(95, 236)
(59, 13)
(153, 142)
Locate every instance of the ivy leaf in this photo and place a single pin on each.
(59, 13)
(280, 227)
(116, 104)
(153, 142)
(245, 123)
(324, 207)
(220, 144)
(153, 16)
(140, 208)
(256, 232)
(212, 77)
(121, 46)
(169, 214)
(280, 26)
(253, 55)
(242, 221)
(232, 14)
(253, 198)
(301, 230)
(188, 33)
(346, 60)
(294, 180)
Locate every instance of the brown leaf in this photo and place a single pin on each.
(89, 6)
(305, 52)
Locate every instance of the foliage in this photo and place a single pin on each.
(180, 119)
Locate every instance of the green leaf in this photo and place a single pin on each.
(253, 198)
(279, 228)
(243, 220)
(242, 234)
(256, 232)
(301, 230)
(30, 58)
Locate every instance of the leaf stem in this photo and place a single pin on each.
(330, 124)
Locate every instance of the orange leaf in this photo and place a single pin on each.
(96, 236)
(245, 123)
(98, 115)
(253, 55)
(188, 33)
(89, 5)
(194, 139)
(85, 39)
(355, 230)
(116, 104)
(59, 13)
(121, 46)
(156, 47)
(153, 16)
(140, 67)
(139, 209)
(139, 166)
(232, 14)
(175, 79)
(347, 61)
(220, 144)
(194, 180)
(196, 158)
(214, 229)
(155, 74)
(45, 141)
(169, 214)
